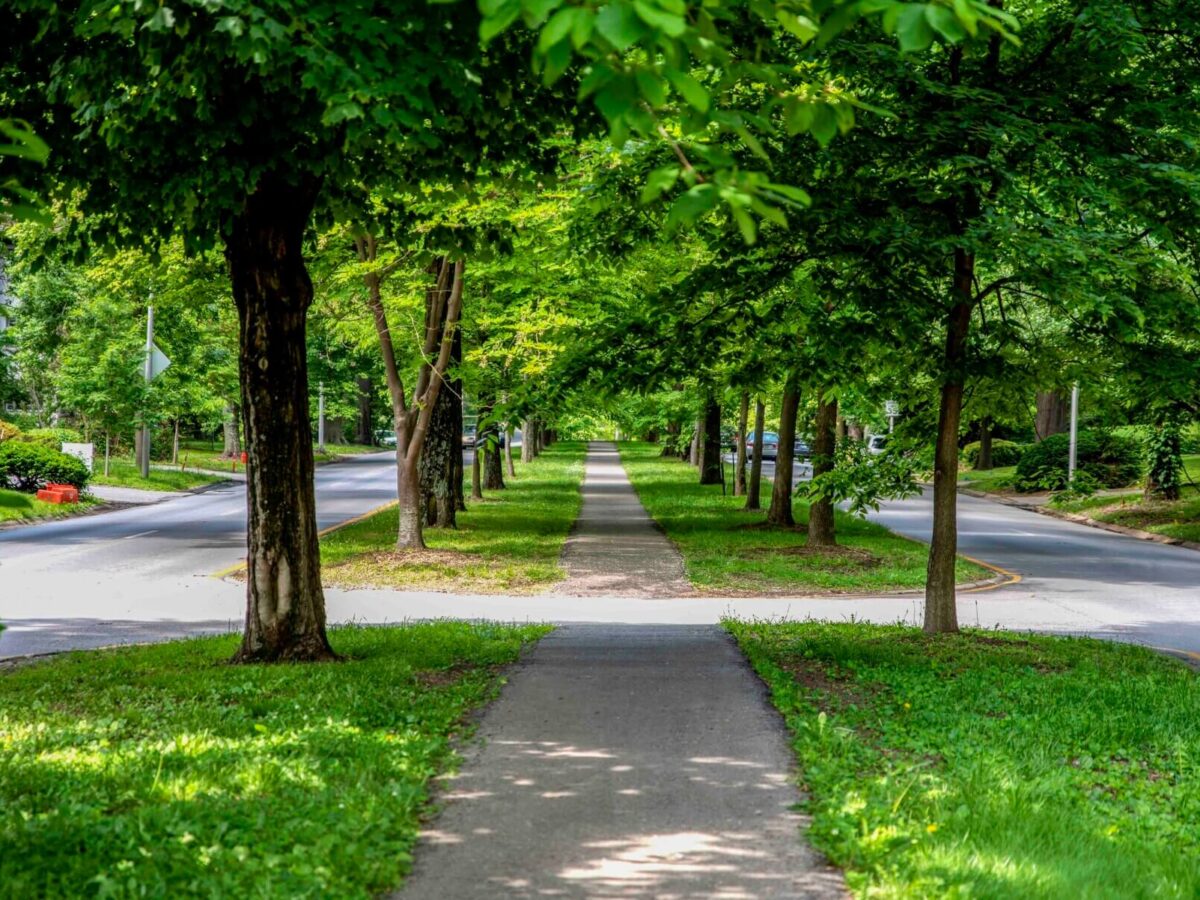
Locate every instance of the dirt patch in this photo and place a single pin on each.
(863, 558)
(398, 558)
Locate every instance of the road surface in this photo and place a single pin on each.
(144, 574)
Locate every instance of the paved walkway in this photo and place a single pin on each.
(624, 760)
(615, 549)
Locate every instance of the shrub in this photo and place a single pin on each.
(8, 431)
(1110, 460)
(29, 466)
(53, 438)
(1004, 453)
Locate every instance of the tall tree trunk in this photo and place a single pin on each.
(697, 435)
(493, 472)
(175, 445)
(780, 511)
(233, 446)
(984, 461)
(840, 429)
(941, 613)
(437, 467)
(107, 451)
(739, 475)
(710, 444)
(508, 456)
(527, 440)
(476, 481)
(821, 525)
(1053, 413)
(754, 488)
(364, 423)
(285, 605)
(671, 444)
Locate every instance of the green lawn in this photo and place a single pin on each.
(125, 473)
(161, 771)
(204, 454)
(510, 543)
(727, 551)
(992, 480)
(987, 764)
(16, 506)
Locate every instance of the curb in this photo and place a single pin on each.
(1118, 529)
(241, 564)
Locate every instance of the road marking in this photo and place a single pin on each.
(238, 566)
(1013, 577)
(141, 534)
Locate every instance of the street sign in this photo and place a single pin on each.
(891, 408)
(158, 361)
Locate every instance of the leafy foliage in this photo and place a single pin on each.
(1004, 453)
(30, 466)
(1108, 459)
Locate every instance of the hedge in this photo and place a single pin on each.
(53, 438)
(30, 466)
(1004, 453)
(1111, 460)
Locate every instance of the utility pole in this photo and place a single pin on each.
(148, 372)
(321, 417)
(1074, 432)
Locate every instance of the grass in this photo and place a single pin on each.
(510, 543)
(162, 771)
(206, 454)
(16, 506)
(990, 765)
(725, 550)
(992, 481)
(125, 473)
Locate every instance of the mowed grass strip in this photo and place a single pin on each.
(162, 771)
(125, 473)
(509, 543)
(16, 506)
(990, 764)
(728, 551)
(1173, 518)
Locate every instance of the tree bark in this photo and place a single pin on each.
(822, 528)
(508, 456)
(285, 605)
(941, 612)
(671, 444)
(476, 481)
(739, 475)
(710, 445)
(780, 511)
(754, 488)
(175, 445)
(493, 472)
(697, 435)
(443, 442)
(233, 446)
(1053, 413)
(840, 429)
(983, 462)
(527, 441)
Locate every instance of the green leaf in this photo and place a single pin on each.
(801, 26)
(341, 112)
(619, 25)
(651, 88)
(162, 20)
(913, 29)
(581, 31)
(506, 14)
(537, 11)
(557, 28)
(945, 23)
(668, 24)
(824, 125)
(691, 205)
(967, 16)
(797, 116)
(745, 223)
(659, 182)
(689, 89)
(794, 194)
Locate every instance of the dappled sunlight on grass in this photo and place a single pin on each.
(162, 770)
(729, 551)
(989, 764)
(510, 543)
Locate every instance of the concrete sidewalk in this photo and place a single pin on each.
(624, 760)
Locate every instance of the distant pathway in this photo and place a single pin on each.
(615, 549)
(625, 761)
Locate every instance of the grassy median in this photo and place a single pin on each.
(16, 506)
(509, 543)
(162, 771)
(126, 473)
(989, 764)
(728, 551)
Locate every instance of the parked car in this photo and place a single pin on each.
(770, 445)
(385, 437)
(801, 450)
(876, 444)
(470, 441)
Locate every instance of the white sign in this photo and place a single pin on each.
(83, 452)
(158, 361)
(891, 408)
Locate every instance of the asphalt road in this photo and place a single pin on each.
(145, 574)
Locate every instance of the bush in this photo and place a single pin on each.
(8, 431)
(53, 438)
(1004, 453)
(1111, 460)
(30, 466)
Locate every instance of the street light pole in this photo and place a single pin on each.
(321, 418)
(148, 373)
(1071, 458)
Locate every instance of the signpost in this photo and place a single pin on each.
(156, 363)
(891, 409)
(1074, 433)
(321, 418)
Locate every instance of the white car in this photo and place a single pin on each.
(876, 444)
